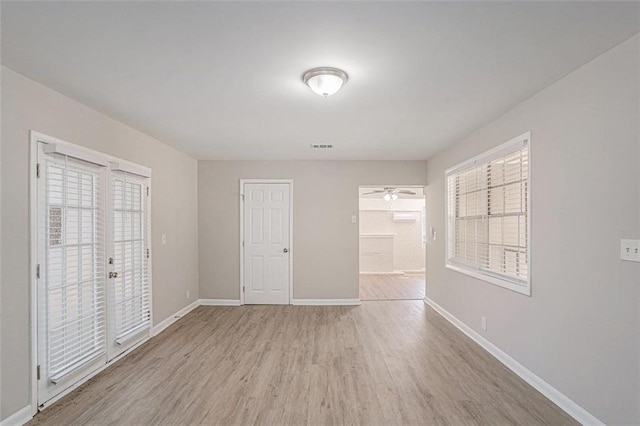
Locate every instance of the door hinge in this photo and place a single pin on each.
(147, 253)
(38, 271)
(243, 289)
(243, 244)
(38, 170)
(38, 373)
(147, 191)
(242, 196)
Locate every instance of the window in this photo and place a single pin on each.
(488, 216)
(131, 286)
(72, 273)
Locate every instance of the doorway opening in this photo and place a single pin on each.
(392, 242)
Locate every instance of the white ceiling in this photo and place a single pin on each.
(223, 80)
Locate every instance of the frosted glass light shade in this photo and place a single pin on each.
(390, 196)
(325, 81)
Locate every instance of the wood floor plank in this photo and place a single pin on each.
(378, 363)
(392, 287)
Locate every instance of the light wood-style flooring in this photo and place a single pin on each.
(392, 287)
(382, 363)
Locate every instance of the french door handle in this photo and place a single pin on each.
(113, 275)
(286, 250)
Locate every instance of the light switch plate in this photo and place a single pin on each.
(630, 250)
(354, 219)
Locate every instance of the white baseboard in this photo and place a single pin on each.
(219, 302)
(326, 302)
(18, 418)
(160, 327)
(557, 397)
(413, 271)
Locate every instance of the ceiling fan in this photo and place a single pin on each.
(390, 193)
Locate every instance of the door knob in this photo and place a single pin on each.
(286, 250)
(113, 275)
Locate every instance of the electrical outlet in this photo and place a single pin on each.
(164, 239)
(630, 250)
(354, 219)
(484, 323)
(187, 294)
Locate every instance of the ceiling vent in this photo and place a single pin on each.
(321, 146)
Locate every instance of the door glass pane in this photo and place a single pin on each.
(74, 264)
(131, 292)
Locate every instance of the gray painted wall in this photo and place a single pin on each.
(325, 246)
(28, 105)
(580, 329)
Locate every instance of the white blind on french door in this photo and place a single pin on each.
(130, 236)
(74, 264)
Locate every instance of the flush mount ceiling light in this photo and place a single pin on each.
(325, 81)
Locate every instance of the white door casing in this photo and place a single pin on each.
(87, 208)
(266, 251)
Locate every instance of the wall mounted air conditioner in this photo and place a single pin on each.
(405, 216)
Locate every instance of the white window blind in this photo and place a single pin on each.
(74, 264)
(488, 216)
(131, 286)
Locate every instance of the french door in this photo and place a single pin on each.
(93, 297)
(128, 262)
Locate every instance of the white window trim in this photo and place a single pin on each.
(498, 151)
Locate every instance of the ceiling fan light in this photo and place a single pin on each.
(387, 197)
(394, 196)
(325, 81)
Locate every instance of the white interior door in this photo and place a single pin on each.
(93, 277)
(71, 259)
(266, 232)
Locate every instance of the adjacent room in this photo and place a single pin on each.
(393, 237)
(303, 213)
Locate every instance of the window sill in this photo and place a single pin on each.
(522, 289)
